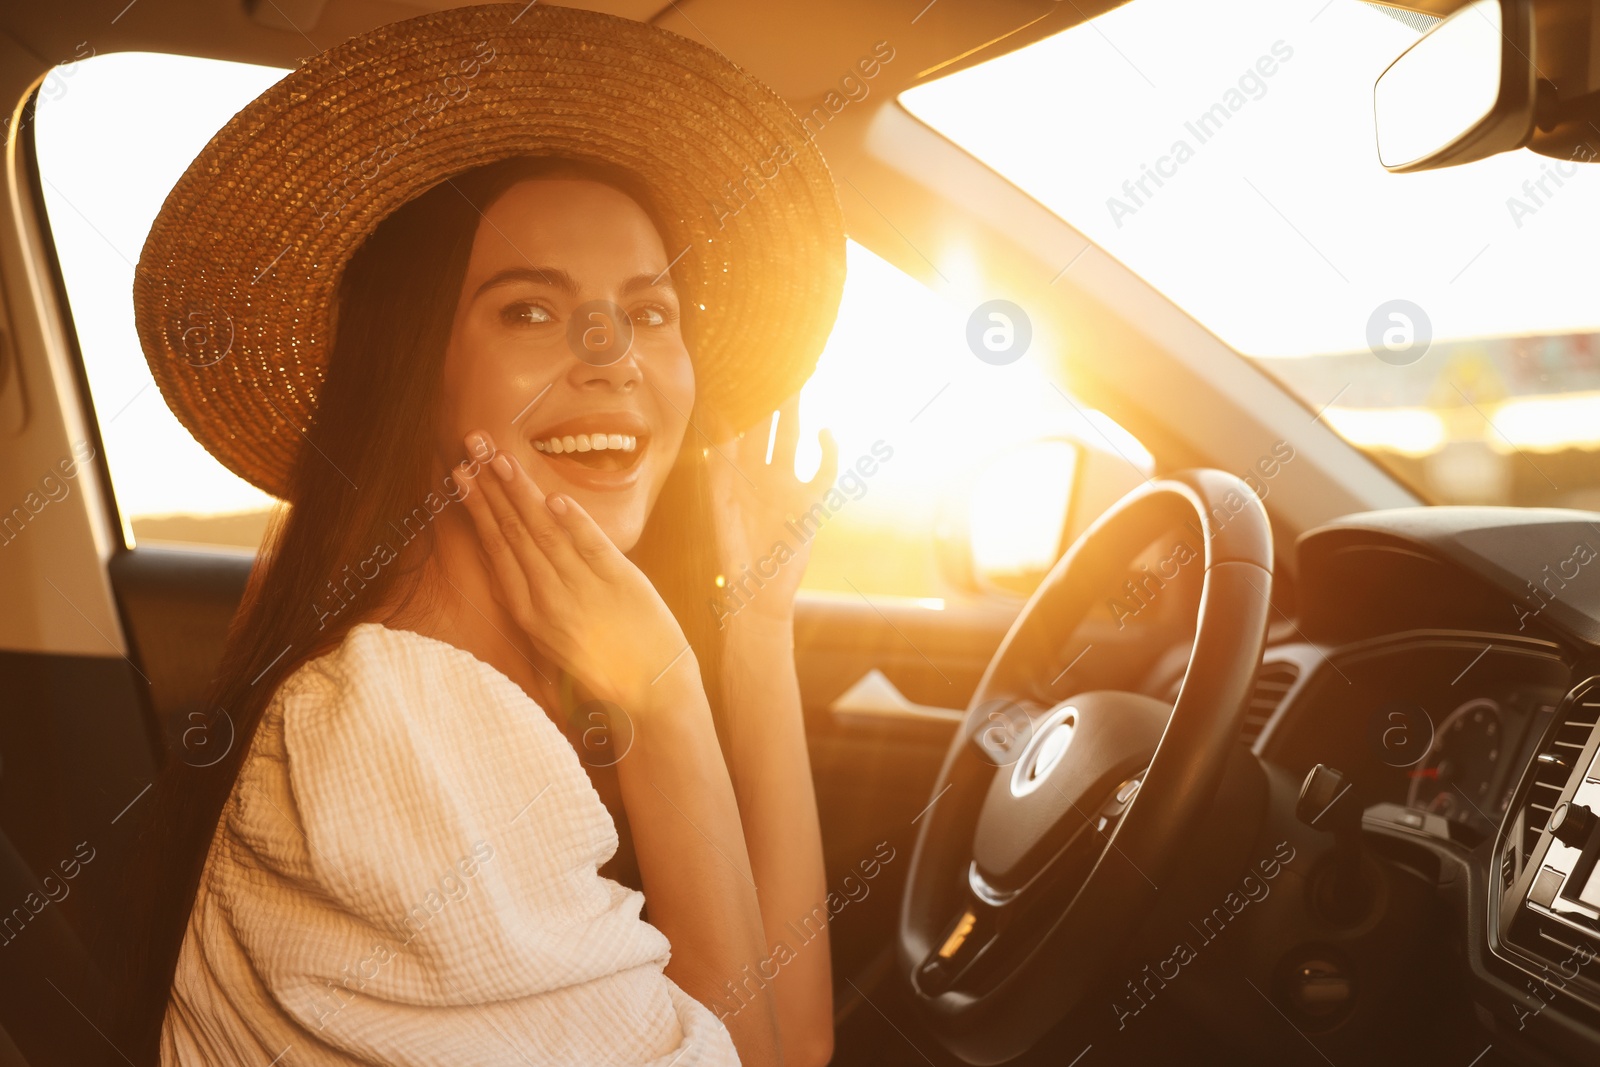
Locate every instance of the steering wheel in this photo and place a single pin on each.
(1051, 824)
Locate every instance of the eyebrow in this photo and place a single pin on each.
(554, 277)
(559, 279)
(639, 282)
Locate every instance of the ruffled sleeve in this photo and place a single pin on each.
(407, 873)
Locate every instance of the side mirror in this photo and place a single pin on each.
(1001, 528)
(1464, 91)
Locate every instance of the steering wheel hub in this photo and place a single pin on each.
(1046, 753)
(1082, 750)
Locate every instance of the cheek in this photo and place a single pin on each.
(484, 386)
(460, 381)
(677, 385)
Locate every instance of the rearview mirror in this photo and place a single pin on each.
(1462, 92)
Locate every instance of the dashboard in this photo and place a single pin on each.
(1444, 660)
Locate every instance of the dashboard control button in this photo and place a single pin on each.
(1320, 793)
(1339, 887)
(1319, 988)
(1572, 824)
(1545, 887)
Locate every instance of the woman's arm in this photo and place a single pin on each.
(435, 899)
(756, 497)
(772, 779)
(693, 861)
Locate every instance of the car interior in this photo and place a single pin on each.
(1212, 675)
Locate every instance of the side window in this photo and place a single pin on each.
(113, 134)
(947, 438)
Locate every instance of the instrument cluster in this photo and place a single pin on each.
(1466, 774)
(1440, 723)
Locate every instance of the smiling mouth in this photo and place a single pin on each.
(595, 451)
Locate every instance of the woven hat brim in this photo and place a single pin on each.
(234, 292)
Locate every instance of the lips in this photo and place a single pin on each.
(600, 450)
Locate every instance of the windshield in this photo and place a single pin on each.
(1442, 321)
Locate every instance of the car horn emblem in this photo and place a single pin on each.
(1049, 747)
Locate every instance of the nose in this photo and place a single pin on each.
(623, 376)
(602, 342)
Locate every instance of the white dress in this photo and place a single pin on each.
(406, 873)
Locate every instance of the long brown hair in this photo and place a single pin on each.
(360, 483)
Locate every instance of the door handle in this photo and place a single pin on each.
(874, 696)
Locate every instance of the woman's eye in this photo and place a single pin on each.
(527, 315)
(650, 315)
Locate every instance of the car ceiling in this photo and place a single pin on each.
(800, 49)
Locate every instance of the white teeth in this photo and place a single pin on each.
(588, 442)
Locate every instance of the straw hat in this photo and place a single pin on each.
(235, 287)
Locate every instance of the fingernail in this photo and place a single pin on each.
(557, 504)
(502, 467)
(478, 444)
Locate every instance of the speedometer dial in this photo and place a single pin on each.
(1456, 779)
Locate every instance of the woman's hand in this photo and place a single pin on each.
(576, 596)
(753, 502)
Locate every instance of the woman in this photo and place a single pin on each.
(479, 643)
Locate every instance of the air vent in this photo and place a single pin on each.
(1550, 936)
(1554, 764)
(1273, 683)
(1561, 954)
(1538, 931)
(1560, 942)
